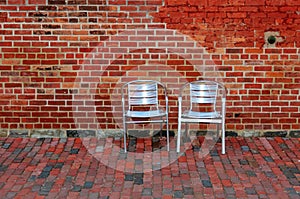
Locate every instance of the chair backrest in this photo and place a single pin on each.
(204, 92)
(142, 93)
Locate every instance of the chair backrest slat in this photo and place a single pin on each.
(203, 100)
(143, 94)
(203, 93)
(143, 101)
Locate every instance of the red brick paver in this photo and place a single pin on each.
(65, 168)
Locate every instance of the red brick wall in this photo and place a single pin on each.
(62, 63)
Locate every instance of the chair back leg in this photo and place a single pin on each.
(178, 135)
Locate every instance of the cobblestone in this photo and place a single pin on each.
(66, 168)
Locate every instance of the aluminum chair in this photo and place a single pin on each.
(202, 93)
(141, 104)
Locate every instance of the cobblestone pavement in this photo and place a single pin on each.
(66, 168)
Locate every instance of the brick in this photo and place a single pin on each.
(18, 2)
(255, 2)
(176, 2)
(292, 2)
(237, 15)
(37, 2)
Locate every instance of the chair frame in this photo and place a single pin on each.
(146, 93)
(202, 95)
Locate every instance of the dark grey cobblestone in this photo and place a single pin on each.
(275, 134)
(295, 134)
(19, 133)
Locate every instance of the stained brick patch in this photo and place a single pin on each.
(64, 168)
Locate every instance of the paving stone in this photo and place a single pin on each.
(188, 191)
(275, 134)
(243, 162)
(250, 191)
(295, 134)
(231, 134)
(27, 149)
(3, 168)
(109, 133)
(44, 174)
(18, 160)
(129, 177)
(88, 185)
(74, 151)
(249, 133)
(59, 165)
(254, 151)
(251, 173)
(6, 145)
(76, 188)
(245, 148)
(48, 168)
(47, 133)
(32, 178)
(104, 197)
(178, 194)
(72, 133)
(39, 141)
(283, 146)
(167, 191)
(163, 133)
(268, 159)
(229, 190)
(3, 133)
(138, 178)
(45, 189)
(96, 196)
(19, 133)
(206, 183)
(36, 188)
(270, 174)
(214, 153)
(99, 149)
(147, 192)
(17, 151)
(81, 133)
(11, 194)
(292, 192)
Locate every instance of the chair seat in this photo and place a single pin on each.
(198, 115)
(143, 114)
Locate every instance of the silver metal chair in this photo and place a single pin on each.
(206, 94)
(141, 103)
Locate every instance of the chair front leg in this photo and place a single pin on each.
(223, 137)
(168, 136)
(223, 123)
(125, 135)
(178, 135)
(179, 124)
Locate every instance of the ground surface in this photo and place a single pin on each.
(91, 168)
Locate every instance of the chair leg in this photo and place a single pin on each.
(186, 129)
(168, 137)
(223, 137)
(178, 136)
(161, 128)
(125, 136)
